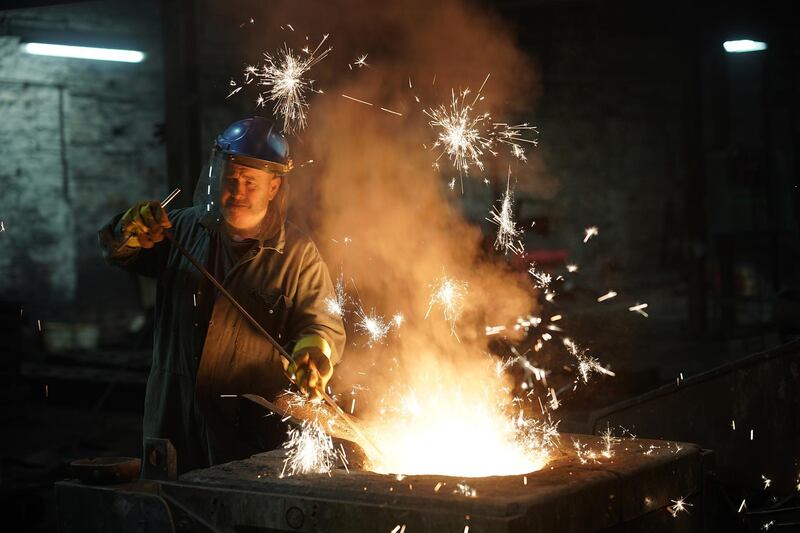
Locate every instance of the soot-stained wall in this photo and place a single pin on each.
(79, 142)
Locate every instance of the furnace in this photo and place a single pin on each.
(635, 488)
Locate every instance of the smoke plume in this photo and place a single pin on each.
(376, 184)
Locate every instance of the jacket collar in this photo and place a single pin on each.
(274, 240)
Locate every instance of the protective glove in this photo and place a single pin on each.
(145, 223)
(312, 368)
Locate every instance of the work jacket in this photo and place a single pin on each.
(203, 360)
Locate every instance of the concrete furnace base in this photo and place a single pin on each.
(630, 491)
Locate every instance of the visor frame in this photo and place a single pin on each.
(258, 164)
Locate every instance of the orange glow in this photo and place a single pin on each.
(467, 428)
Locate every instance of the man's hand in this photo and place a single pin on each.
(310, 371)
(145, 223)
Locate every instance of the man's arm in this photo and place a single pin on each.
(309, 316)
(318, 335)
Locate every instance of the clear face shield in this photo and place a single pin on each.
(208, 191)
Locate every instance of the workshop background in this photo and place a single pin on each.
(683, 155)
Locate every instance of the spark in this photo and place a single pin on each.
(678, 506)
(284, 75)
(591, 231)
(494, 330)
(309, 450)
(465, 490)
(586, 363)
(335, 304)
(582, 454)
(527, 322)
(452, 184)
(554, 403)
(2, 226)
(733, 425)
(236, 90)
(398, 319)
(768, 525)
(399, 528)
(356, 100)
(751, 434)
(39, 324)
(539, 374)
(639, 308)
(392, 112)
(555, 318)
(609, 440)
(766, 480)
(607, 296)
(742, 506)
(572, 268)
(460, 133)
(541, 279)
(373, 325)
(507, 231)
(513, 135)
(361, 61)
(372, 105)
(449, 294)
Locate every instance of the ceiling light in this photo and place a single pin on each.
(84, 52)
(744, 45)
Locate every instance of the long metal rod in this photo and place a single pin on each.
(265, 333)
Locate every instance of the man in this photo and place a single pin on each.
(205, 351)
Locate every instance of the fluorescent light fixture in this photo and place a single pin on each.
(83, 52)
(744, 45)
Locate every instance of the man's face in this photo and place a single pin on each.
(246, 194)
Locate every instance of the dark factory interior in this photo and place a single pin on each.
(560, 238)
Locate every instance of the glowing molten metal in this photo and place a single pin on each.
(459, 427)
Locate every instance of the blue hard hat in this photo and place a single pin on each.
(255, 142)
